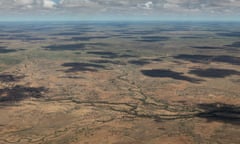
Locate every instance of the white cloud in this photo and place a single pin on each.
(120, 7)
(170, 6)
(78, 3)
(49, 4)
(147, 5)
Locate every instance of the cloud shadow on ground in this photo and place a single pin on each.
(214, 73)
(19, 93)
(153, 38)
(9, 78)
(229, 34)
(5, 50)
(76, 67)
(207, 58)
(139, 62)
(163, 73)
(206, 47)
(220, 112)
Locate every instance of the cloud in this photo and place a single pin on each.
(125, 8)
(170, 6)
(49, 4)
(24, 2)
(16, 4)
(148, 5)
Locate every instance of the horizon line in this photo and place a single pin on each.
(135, 20)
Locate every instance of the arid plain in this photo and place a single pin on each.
(119, 83)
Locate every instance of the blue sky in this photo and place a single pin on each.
(11, 10)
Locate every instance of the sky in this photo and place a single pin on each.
(119, 10)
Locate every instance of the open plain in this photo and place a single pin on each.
(119, 83)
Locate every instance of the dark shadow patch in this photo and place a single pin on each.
(4, 35)
(127, 37)
(101, 53)
(87, 38)
(206, 47)
(127, 56)
(19, 93)
(194, 58)
(156, 59)
(104, 54)
(67, 34)
(79, 39)
(212, 112)
(107, 62)
(214, 73)
(72, 77)
(162, 73)
(235, 45)
(5, 50)
(107, 54)
(229, 34)
(75, 67)
(10, 78)
(190, 37)
(127, 32)
(153, 38)
(228, 59)
(21, 37)
(98, 44)
(129, 51)
(71, 47)
(139, 62)
(206, 58)
(33, 39)
(220, 112)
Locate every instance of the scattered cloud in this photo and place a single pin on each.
(123, 7)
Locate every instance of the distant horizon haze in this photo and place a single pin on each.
(121, 10)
